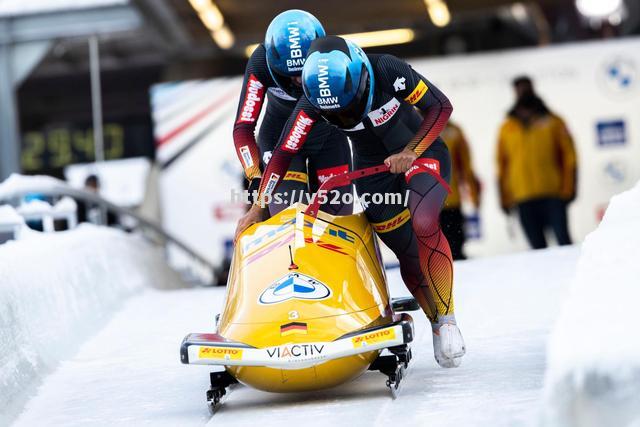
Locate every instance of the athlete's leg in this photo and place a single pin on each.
(426, 197)
(333, 157)
(392, 224)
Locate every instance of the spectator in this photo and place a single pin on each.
(536, 167)
(92, 184)
(451, 218)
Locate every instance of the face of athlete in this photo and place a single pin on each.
(297, 80)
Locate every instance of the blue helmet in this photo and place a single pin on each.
(338, 81)
(287, 42)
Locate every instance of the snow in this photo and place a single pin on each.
(56, 290)
(594, 354)
(129, 372)
(18, 184)
(8, 215)
(65, 205)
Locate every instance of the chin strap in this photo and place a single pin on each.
(348, 177)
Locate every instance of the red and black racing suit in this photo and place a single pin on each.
(329, 153)
(407, 112)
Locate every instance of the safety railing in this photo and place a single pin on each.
(193, 267)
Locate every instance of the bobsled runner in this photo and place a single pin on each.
(307, 307)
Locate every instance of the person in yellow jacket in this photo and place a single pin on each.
(463, 181)
(537, 169)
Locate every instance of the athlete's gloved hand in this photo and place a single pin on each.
(401, 162)
(253, 215)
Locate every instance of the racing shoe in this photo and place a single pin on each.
(448, 344)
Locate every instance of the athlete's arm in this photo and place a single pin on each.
(250, 104)
(416, 90)
(291, 141)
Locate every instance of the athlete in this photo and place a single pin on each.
(274, 71)
(393, 115)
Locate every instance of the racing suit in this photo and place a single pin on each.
(407, 112)
(329, 154)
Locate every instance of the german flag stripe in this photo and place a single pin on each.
(293, 327)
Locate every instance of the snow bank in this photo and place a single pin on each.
(17, 184)
(56, 290)
(593, 373)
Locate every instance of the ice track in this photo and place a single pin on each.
(129, 373)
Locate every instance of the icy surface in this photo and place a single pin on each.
(594, 354)
(129, 373)
(58, 289)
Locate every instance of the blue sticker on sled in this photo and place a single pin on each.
(295, 286)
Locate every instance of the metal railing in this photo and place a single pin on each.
(199, 270)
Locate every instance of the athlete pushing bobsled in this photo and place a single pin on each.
(273, 71)
(392, 114)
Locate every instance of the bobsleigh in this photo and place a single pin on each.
(307, 308)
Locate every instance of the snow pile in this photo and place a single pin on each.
(56, 290)
(593, 374)
(17, 184)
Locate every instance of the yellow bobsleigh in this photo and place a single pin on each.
(307, 308)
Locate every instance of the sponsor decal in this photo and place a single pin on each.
(418, 167)
(335, 232)
(271, 183)
(619, 76)
(269, 235)
(399, 84)
(393, 223)
(298, 133)
(296, 176)
(383, 114)
(326, 98)
(328, 173)
(615, 172)
(252, 101)
(417, 93)
(375, 337)
(611, 133)
(472, 226)
(296, 351)
(296, 60)
(325, 245)
(294, 286)
(245, 154)
(266, 157)
(220, 353)
(279, 93)
(267, 249)
(293, 328)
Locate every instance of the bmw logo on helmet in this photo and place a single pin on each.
(338, 81)
(287, 42)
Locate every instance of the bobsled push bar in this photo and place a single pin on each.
(346, 178)
(213, 349)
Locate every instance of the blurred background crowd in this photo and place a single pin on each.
(133, 101)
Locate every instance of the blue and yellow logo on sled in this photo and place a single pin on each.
(295, 286)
